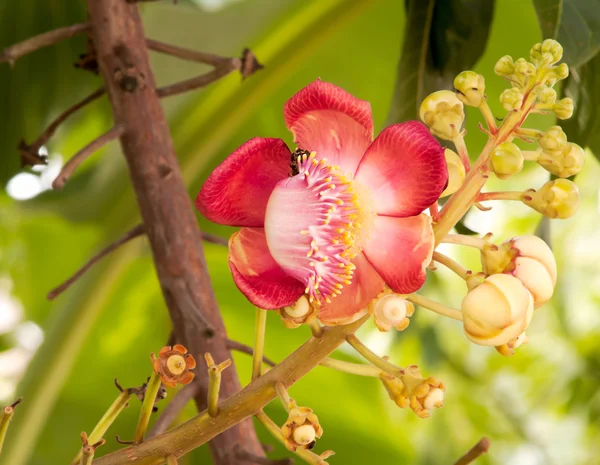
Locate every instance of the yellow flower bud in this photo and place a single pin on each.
(522, 66)
(391, 311)
(505, 66)
(563, 109)
(561, 72)
(456, 172)
(443, 113)
(565, 163)
(497, 311)
(553, 141)
(547, 53)
(470, 88)
(546, 95)
(507, 160)
(556, 199)
(511, 99)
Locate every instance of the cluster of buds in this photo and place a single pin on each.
(556, 155)
(411, 390)
(302, 428)
(443, 113)
(391, 310)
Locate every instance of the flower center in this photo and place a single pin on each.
(176, 364)
(315, 223)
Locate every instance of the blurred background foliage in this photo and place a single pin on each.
(541, 406)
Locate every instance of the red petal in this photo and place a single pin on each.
(237, 191)
(400, 249)
(257, 275)
(328, 120)
(405, 169)
(179, 348)
(355, 297)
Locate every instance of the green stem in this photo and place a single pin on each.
(259, 342)
(435, 306)
(461, 148)
(352, 368)
(5, 417)
(451, 264)
(531, 155)
(488, 116)
(462, 239)
(287, 402)
(499, 196)
(147, 406)
(107, 419)
(373, 357)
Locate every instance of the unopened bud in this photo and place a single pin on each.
(507, 159)
(553, 141)
(511, 99)
(556, 199)
(505, 66)
(497, 311)
(392, 311)
(470, 88)
(522, 66)
(561, 72)
(298, 313)
(546, 95)
(456, 172)
(301, 429)
(565, 163)
(563, 109)
(423, 394)
(547, 53)
(443, 113)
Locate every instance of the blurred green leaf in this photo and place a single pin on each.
(548, 13)
(444, 38)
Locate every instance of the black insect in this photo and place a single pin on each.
(294, 162)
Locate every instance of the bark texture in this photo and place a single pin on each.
(166, 208)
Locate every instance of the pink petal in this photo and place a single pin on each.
(352, 303)
(237, 191)
(257, 275)
(405, 170)
(400, 249)
(328, 120)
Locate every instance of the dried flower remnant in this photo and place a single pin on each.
(174, 365)
(297, 314)
(391, 310)
(302, 429)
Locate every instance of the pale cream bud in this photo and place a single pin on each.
(456, 172)
(511, 99)
(563, 109)
(546, 95)
(470, 88)
(523, 67)
(443, 113)
(434, 399)
(298, 313)
(547, 53)
(566, 163)
(298, 309)
(507, 159)
(554, 140)
(505, 66)
(304, 434)
(497, 311)
(556, 199)
(392, 311)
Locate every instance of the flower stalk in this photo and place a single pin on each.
(435, 307)
(315, 327)
(452, 265)
(461, 149)
(359, 369)
(89, 449)
(372, 357)
(462, 239)
(214, 383)
(488, 116)
(5, 417)
(506, 195)
(287, 402)
(147, 406)
(259, 342)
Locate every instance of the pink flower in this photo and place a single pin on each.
(346, 223)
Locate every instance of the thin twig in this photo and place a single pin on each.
(245, 456)
(214, 239)
(34, 148)
(132, 233)
(239, 347)
(476, 451)
(196, 82)
(77, 159)
(170, 412)
(16, 51)
(188, 54)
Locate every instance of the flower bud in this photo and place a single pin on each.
(443, 113)
(470, 88)
(522, 66)
(546, 95)
(511, 99)
(547, 53)
(561, 72)
(507, 160)
(556, 199)
(497, 311)
(391, 311)
(553, 141)
(505, 66)
(456, 172)
(566, 163)
(297, 314)
(508, 349)
(563, 109)
(301, 429)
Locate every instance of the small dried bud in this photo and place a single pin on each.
(174, 365)
(443, 113)
(553, 141)
(509, 349)
(456, 172)
(547, 53)
(391, 311)
(301, 429)
(505, 66)
(556, 199)
(563, 109)
(297, 314)
(523, 67)
(546, 95)
(566, 163)
(497, 311)
(507, 160)
(511, 99)
(470, 88)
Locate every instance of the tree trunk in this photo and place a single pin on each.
(165, 206)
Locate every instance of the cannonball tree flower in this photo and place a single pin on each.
(336, 220)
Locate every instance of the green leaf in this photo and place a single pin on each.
(548, 13)
(444, 38)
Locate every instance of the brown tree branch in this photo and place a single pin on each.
(239, 347)
(187, 54)
(77, 159)
(16, 51)
(173, 408)
(165, 206)
(245, 456)
(199, 81)
(475, 452)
